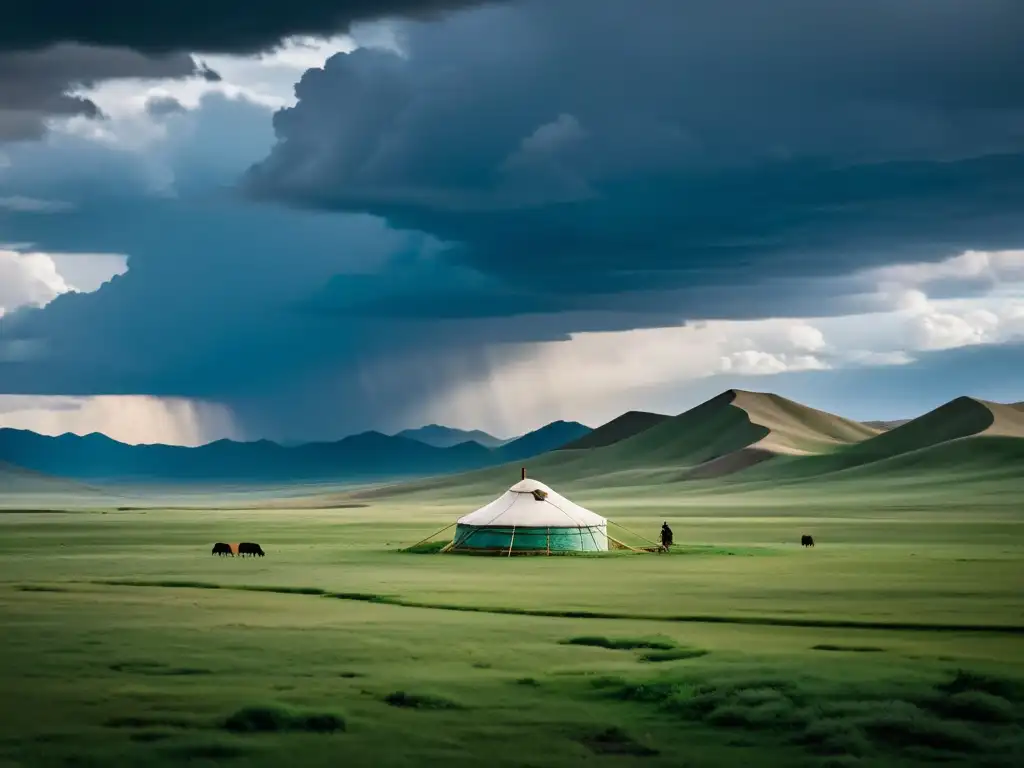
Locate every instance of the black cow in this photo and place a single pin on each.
(806, 541)
(250, 548)
(220, 548)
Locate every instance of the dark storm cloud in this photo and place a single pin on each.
(36, 85)
(223, 26)
(563, 166)
(605, 149)
(47, 47)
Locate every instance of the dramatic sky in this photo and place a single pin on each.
(302, 219)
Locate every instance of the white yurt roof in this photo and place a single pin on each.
(519, 507)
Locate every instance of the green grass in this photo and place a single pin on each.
(895, 642)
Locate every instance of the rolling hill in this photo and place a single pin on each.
(960, 418)
(886, 425)
(445, 437)
(622, 427)
(17, 480)
(965, 432)
(366, 456)
(733, 431)
(763, 441)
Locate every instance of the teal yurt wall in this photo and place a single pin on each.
(561, 539)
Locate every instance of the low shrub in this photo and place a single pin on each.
(419, 701)
(621, 644)
(274, 719)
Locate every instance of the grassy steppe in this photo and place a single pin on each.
(336, 649)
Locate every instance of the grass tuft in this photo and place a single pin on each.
(170, 584)
(901, 724)
(620, 644)
(285, 590)
(674, 654)
(835, 737)
(150, 721)
(362, 597)
(419, 701)
(766, 621)
(974, 706)
(157, 669)
(966, 680)
(615, 741)
(276, 719)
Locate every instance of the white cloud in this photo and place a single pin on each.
(806, 337)
(990, 266)
(130, 419)
(943, 330)
(752, 362)
(28, 279)
(36, 279)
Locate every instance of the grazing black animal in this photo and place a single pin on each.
(666, 535)
(250, 548)
(806, 541)
(220, 548)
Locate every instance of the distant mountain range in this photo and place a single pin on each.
(445, 437)
(765, 440)
(366, 456)
(736, 437)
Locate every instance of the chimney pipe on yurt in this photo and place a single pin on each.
(524, 474)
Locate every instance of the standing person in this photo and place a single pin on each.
(666, 535)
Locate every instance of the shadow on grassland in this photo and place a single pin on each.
(776, 621)
(766, 621)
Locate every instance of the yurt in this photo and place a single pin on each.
(530, 518)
